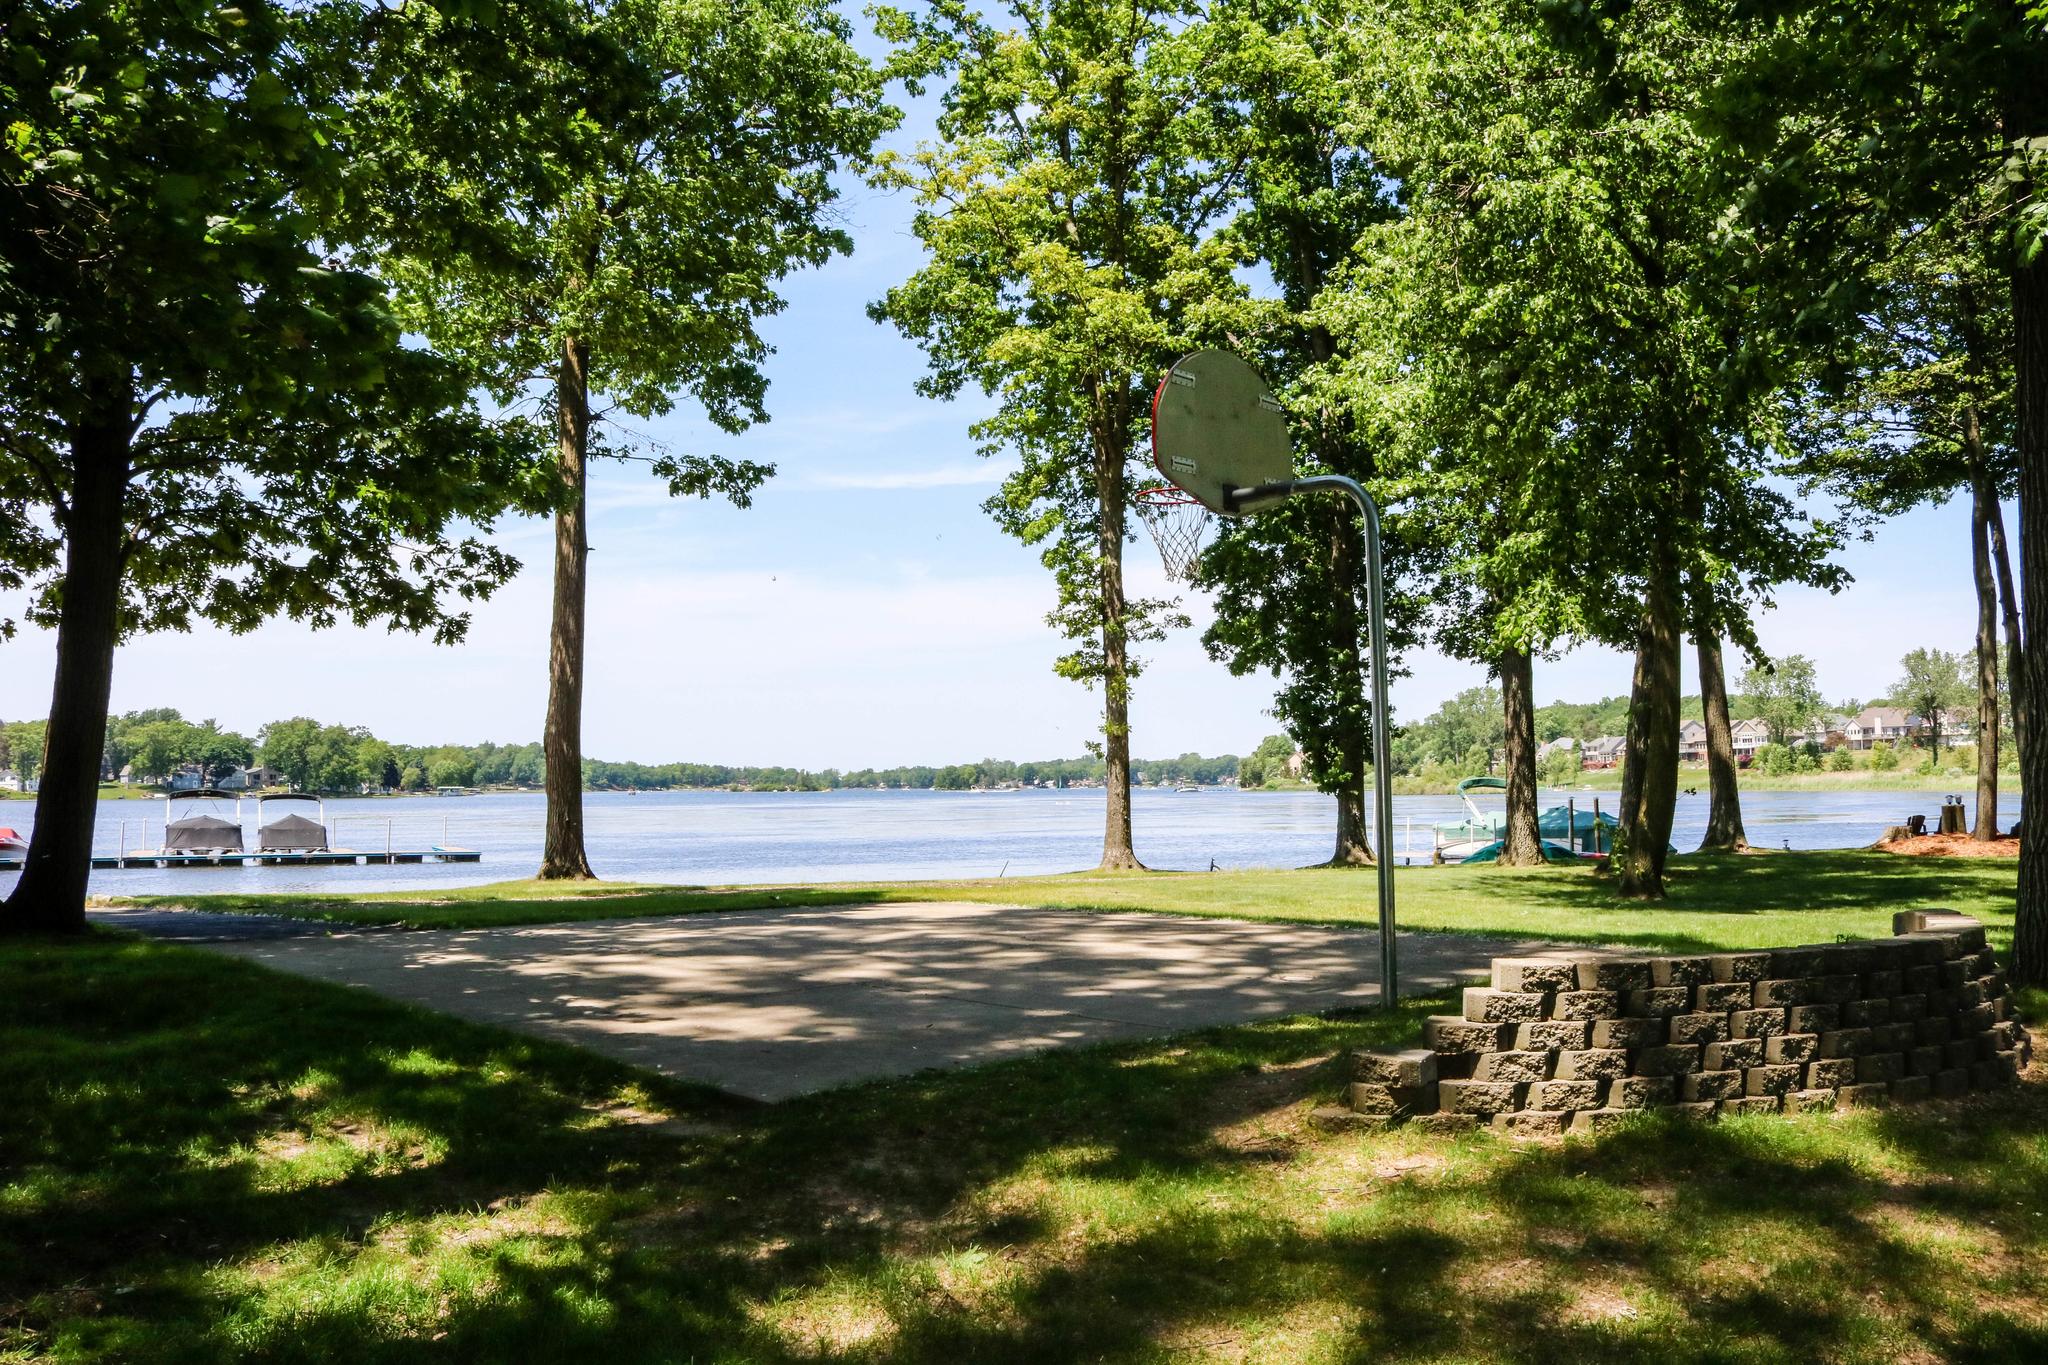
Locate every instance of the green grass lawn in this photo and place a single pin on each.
(1755, 900)
(204, 1160)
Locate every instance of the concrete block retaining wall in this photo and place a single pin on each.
(1574, 1039)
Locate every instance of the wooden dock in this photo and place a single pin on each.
(328, 857)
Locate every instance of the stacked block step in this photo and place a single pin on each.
(1572, 1040)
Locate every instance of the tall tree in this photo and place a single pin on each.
(1783, 693)
(1852, 127)
(21, 747)
(1290, 584)
(1068, 210)
(290, 746)
(1578, 439)
(1442, 368)
(218, 751)
(1923, 410)
(1724, 832)
(634, 262)
(121, 731)
(1930, 683)
(202, 414)
(159, 748)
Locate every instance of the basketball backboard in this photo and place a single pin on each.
(1216, 427)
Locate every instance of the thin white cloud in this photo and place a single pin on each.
(882, 480)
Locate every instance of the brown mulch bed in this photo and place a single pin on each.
(1951, 846)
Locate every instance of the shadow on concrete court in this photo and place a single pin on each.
(775, 1003)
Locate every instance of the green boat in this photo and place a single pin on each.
(1567, 831)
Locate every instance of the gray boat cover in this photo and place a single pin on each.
(293, 833)
(202, 833)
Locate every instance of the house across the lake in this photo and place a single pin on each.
(1959, 725)
(192, 777)
(1746, 735)
(1827, 731)
(250, 779)
(1692, 742)
(1604, 752)
(1881, 724)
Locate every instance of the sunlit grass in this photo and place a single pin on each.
(1756, 900)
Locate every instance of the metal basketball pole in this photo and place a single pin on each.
(1243, 501)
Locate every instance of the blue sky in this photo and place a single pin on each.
(865, 611)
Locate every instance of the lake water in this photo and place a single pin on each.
(717, 837)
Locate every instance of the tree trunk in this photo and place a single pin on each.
(1724, 811)
(1521, 841)
(2029, 118)
(2009, 609)
(1354, 845)
(1117, 852)
(1354, 841)
(562, 857)
(1649, 778)
(50, 897)
(1982, 494)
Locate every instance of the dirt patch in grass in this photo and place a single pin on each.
(1264, 1115)
(1952, 846)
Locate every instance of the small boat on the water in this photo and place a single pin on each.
(1185, 788)
(13, 847)
(1457, 840)
(1567, 832)
(203, 832)
(291, 833)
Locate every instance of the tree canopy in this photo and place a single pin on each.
(627, 257)
(1571, 429)
(1068, 209)
(1292, 595)
(1931, 682)
(1785, 694)
(207, 411)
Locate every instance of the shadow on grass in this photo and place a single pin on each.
(203, 1159)
(515, 904)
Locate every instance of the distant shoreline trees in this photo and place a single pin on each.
(1460, 738)
(311, 756)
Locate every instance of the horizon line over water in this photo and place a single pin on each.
(718, 837)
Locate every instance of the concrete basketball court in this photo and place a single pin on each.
(776, 1003)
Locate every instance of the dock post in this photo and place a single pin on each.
(387, 841)
(1571, 824)
(1596, 824)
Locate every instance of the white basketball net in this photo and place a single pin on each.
(1178, 525)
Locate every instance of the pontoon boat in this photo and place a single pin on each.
(291, 833)
(1567, 832)
(202, 833)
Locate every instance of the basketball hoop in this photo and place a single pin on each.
(1219, 439)
(1179, 524)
